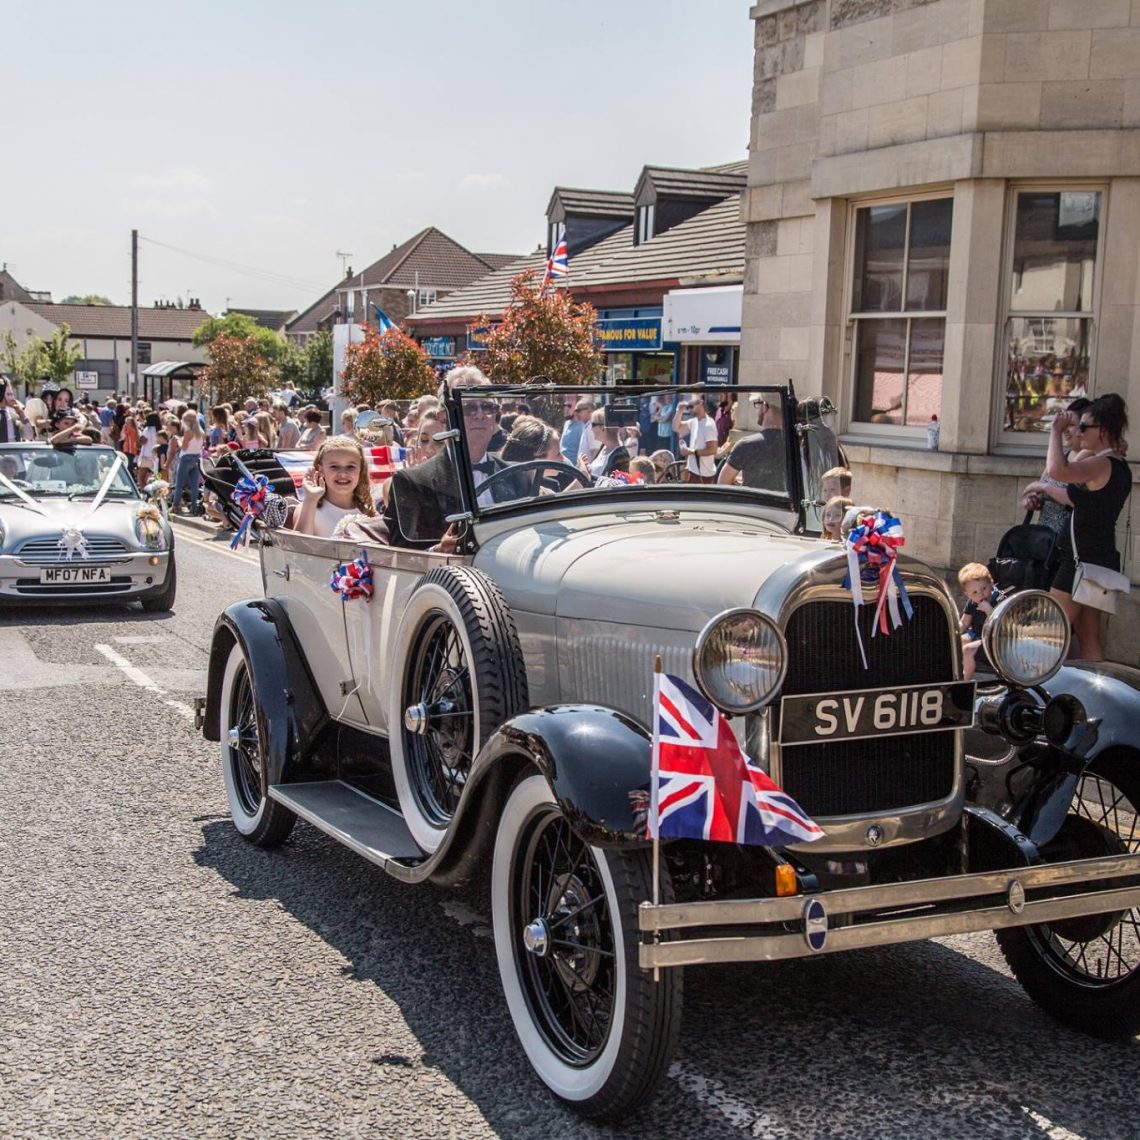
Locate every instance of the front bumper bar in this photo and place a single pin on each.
(853, 918)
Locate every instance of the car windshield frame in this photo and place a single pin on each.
(124, 487)
(702, 494)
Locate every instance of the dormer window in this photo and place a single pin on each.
(555, 233)
(644, 223)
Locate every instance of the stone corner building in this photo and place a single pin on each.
(943, 218)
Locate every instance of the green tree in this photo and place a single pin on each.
(87, 299)
(241, 327)
(59, 357)
(546, 334)
(24, 364)
(237, 369)
(388, 366)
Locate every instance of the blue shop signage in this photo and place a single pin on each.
(477, 339)
(440, 346)
(629, 334)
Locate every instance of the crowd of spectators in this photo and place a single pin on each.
(677, 437)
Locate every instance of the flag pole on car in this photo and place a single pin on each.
(654, 785)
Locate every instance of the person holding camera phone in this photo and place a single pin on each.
(700, 452)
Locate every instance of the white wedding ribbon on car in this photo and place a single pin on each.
(72, 540)
(20, 493)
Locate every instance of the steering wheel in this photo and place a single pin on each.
(570, 472)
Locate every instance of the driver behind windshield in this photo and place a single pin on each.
(758, 459)
(421, 497)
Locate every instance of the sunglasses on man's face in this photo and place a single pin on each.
(479, 407)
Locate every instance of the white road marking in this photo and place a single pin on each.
(1053, 1131)
(246, 554)
(711, 1093)
(465, 916)
(24, 670)
(135, 674)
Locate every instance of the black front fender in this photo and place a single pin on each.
(1110, 693)
(290, 710)
(596, 760)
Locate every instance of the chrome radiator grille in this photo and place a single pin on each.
(45, 551)
(862, 777)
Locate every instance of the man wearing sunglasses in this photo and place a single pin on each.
(421, 497)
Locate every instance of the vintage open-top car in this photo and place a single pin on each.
(495, 704)
(75, 528)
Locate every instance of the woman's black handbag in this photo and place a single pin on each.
(1026, 557)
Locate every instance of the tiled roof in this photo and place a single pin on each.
(592, 203)
(114, 321)
(11, 289)
(498, 260)
(738, 166)
(672, 183)
(710, 245)
(430, 257)
(489, 294)
(271, 319)
(308, 320)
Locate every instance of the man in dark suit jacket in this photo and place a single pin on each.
(421, 497)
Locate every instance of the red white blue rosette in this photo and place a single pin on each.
(353, 579)
(872, 557)
(251, 496)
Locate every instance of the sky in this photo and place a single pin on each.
(248, 142)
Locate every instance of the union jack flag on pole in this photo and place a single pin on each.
(557, 264)
(705, 787)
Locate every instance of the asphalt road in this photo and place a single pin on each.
(159, 976)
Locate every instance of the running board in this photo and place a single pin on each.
(351, 817)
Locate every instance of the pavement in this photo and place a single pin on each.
(161, 977)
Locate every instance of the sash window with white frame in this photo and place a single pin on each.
(900, 272)
(1051, 278)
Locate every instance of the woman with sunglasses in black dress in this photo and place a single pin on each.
(1096, 486)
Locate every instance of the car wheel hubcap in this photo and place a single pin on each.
(536, 938)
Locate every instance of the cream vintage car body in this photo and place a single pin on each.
(493, 708)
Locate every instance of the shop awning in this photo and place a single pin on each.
(704, 316)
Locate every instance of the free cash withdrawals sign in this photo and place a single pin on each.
(629, 334)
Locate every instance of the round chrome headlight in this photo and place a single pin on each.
(740, 660)
(1026, 638)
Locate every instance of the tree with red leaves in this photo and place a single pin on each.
(237, 369)
(386, 366)
(542, 334)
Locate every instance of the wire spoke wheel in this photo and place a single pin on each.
(596, 1028)
(245, 747)
(571, 984)
(440, 752)
(1101, 949)
(1085, 971)
(246, 775)
(461, 675)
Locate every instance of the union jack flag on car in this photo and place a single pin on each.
(705, 787)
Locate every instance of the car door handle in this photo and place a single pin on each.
(283, 573)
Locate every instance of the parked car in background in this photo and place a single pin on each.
(74, 528)
(493, 708)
